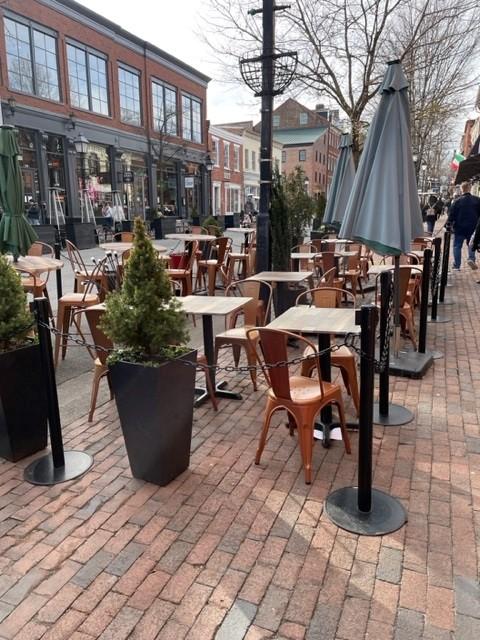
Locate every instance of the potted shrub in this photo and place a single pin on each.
(213, 226)
(23, 411)
(154, 388)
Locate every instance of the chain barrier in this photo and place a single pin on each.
(349, 341)
(385, 348)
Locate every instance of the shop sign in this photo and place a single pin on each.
(189, 182)
(128, 176)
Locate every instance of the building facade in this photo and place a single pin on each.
(66, 73)
(226, 152)
(310, 140)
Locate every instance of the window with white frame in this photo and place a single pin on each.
(303, 118)
(164, 108)
(215, 151)
(192, 118)
(284, 156)
(226, 155)
(254, 161)
(129, 91)
(87, 76)
(236, 157)
(302, 155)
(232, 198)
(31, 59)
(246, 162)
(217, 199)
(276, 121)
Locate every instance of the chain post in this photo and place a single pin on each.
(385, 315)
(445, 258)
(436, 265)
(422, 331)
(58, 272)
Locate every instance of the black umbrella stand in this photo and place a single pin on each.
(411, 364)
(61, 465)
(434, 317)
(384, 412)
(363, 510)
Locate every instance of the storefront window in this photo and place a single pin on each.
(135, 184)
(167, 188)
(94, 175)
(192, 190)
(29, 166)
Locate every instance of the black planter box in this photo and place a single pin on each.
(46, 233)
(23, 409)
(285, 296)
(155, 407)
(82, 234)
(162, 226)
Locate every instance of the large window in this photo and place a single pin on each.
(215, 151)
(87, 74)
(164, 105)
(236, 157)
(31, 60)
(192, 119)
(247, 164)
(129, 90)
(226, 155)
(303, 118)
(302, 155)
(232, 199)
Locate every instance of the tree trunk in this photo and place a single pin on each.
(356, 140)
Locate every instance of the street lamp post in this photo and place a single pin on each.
(209, 168)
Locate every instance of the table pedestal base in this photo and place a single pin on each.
(386, 514)
(220, 392)
(43, 472)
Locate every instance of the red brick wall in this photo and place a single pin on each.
(227, 176)
(75, 30)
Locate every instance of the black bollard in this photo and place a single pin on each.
(61, 465)
(361, 509)
(445, 259)
(384, 412)
(422, 330)
(435, 282)
(58, 272)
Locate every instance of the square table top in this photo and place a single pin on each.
(376, 269)
(282, 276)
(240, 229)
(120, 247)
(189, 236)
(212, 305)
(36, 264)
(316, 320)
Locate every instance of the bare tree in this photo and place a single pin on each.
(342, 45)
(163, 147)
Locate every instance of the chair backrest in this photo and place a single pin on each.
(329, 260)
(324, 297)
(305, 247)
(328, 278)
(405, 273)
(223, 247)
(197, 229)
(75, 257)
(190, 254)
(124, 236)
(353, 263)
(329, 246)
(41, 249)
(273, 348)
(96, 281)
(94, 315)
(249, 289)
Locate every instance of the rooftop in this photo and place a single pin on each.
(294, 137)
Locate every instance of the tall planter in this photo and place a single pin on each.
(82, 234)
(155, 407)
(23, 410)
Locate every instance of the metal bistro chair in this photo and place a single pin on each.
(343, 358)
(212, 266)
(37, 284)
(183, 273)
(302, 398)
(71, 302)
(80, 270)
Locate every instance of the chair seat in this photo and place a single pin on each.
(238, 256)
(176, 272)
(78, 298)
(206, 263)
(30, 283)
(342, 353)
(235, 333)
(307, 390)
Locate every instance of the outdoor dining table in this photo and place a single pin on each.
(281, 279)
(120, 247)
(324, 322)
(377, 269)
(38, 265)
(245, 230)
(207, 307)
(186, 237)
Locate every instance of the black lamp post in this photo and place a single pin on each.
(209, 168)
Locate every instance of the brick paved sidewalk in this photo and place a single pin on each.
(231, 550)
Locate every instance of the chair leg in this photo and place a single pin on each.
(236, 353)
(349, 375)
(263, 436)
(211, 390)
(341, 414)
(251, 359)
(65, 329)
(97, 375)
(212, 277)
(60, 325)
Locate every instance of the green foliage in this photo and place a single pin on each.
(212, 225)
(320, 205)
(144, 317)
(280, 225)
(300, 204)
(15, 320)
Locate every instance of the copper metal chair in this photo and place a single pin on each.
(303, 398)
(213, 265)
(183, 273)
(94, 315)
(343, 358)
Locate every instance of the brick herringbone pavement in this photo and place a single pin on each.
(231, 550)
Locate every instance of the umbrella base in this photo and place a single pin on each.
(410, 364)
(386, 515)
(439, 320)
(42, 470)
(397, 415)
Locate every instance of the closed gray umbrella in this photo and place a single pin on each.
(342, 183)
(383, 210)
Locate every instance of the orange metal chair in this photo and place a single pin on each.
(343, 358)
(183, 274)
(236, 337)
(212, 266)
(302, 398)
(94, 315)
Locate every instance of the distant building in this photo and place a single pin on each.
(310, 140)
(226, 152)
(251, 160)
(66, 71)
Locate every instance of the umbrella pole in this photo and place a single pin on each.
(396, 303)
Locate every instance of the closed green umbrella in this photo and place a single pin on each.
(342, 183)
(16, 233)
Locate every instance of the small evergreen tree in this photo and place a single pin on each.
(15, 320)
(280, 225)
(300, 205)
(145, 318)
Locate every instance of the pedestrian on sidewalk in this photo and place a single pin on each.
(463, 218)
(431, 212)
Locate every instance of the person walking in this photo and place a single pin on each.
(431, 212)
(463, 218)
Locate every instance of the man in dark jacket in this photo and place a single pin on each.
(463, 218)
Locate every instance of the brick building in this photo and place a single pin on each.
(67, 71)
(310, 140)
(226, 151)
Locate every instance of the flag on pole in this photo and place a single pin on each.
(457, 158)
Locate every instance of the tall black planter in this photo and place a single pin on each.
(23, 410)
(155, 406)
(82, 234)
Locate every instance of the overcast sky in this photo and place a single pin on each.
(172, 25)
